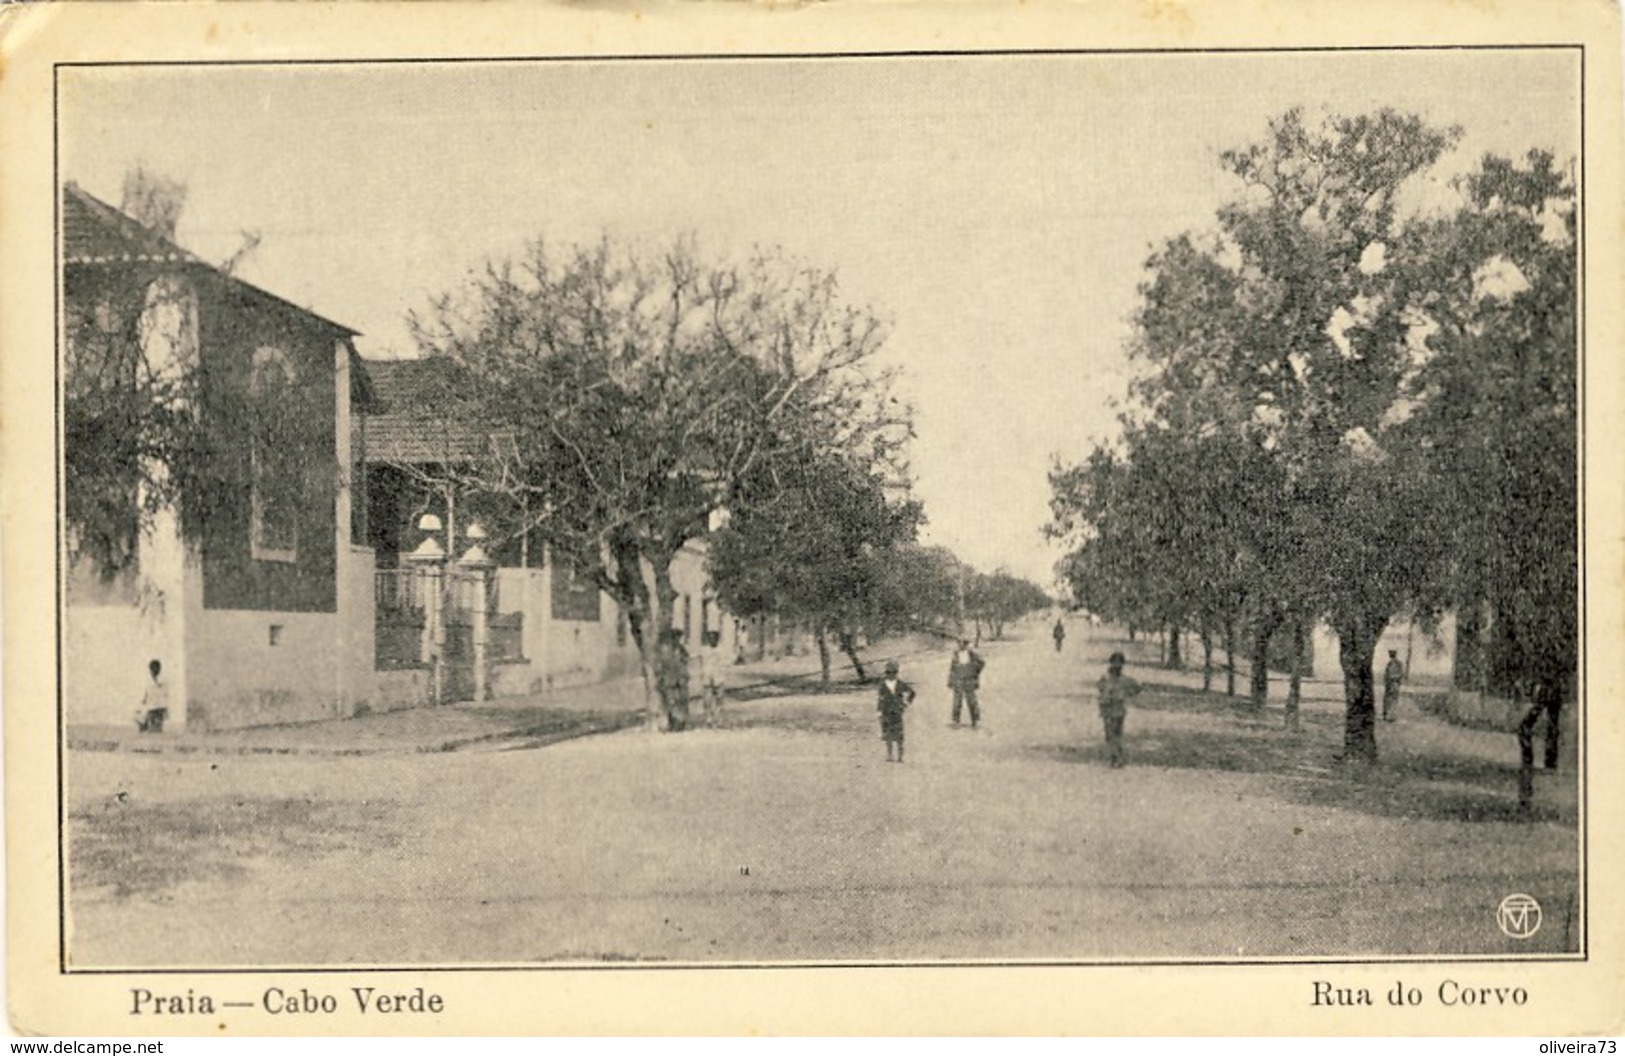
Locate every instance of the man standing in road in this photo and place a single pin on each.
(1115, 690)
(1392, 676)
(964, 678)
(1060, 633)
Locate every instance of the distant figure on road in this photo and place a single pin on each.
(154, 702)
(964, 678)
(1115, 690)
(1392, 677)
(895, 697)
(711, 676)
(1060, 634)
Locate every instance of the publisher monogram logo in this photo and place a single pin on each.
(1519, 916)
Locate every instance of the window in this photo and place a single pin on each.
(276, 477)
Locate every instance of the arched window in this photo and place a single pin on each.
(278, 480)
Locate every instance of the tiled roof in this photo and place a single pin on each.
(412, 422)
(94, 232)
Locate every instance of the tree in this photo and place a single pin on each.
(1279, 347)
(635, 395)
(920, 589)
(137, 402)
(1328, 263)
(808, 540)
(995, 599)
(1495, 421)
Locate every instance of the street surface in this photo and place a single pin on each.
(784, 835)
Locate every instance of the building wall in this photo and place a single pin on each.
(572, 652)
(358, 689)
(560, 652)
(105, 649)
(245, 674)
(399, 689)
(207, 612)
(234, 326)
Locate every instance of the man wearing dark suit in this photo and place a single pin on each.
(964, 678)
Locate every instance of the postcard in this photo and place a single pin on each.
(729, 519)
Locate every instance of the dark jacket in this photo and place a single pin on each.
(891, 707)
(966, 675)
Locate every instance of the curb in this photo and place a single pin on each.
(534, 736)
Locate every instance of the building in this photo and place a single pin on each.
(549, 625)
(255, 592)
(277, 588)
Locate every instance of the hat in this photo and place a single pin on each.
(891, 667)
(1117, 660)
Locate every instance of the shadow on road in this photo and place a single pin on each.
(1183, 729)
(137, 848)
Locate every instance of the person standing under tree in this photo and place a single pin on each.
(672, 676)
(1060, 633)
(1546, 700)
(964, 678)
(1115, 690)
(1392, 677)
(895, 697)
(711, 676)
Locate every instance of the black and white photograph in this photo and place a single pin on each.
(845, 508)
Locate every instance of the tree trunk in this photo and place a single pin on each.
(1207, 659)
(1229, 656)
(1262, 634)
(633, 594)
(1294, 691)
(850, 648)
(1176, 662)
(823, 656)
(671, 659)
(1357, 642)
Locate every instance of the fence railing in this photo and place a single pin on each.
(401, 602)
(405, 589)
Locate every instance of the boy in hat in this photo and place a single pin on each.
(1115, 690)
(895, 697)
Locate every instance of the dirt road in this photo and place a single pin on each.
(785, 835)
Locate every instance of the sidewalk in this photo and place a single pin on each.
(558, 715)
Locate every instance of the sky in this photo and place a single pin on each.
(996, 211)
